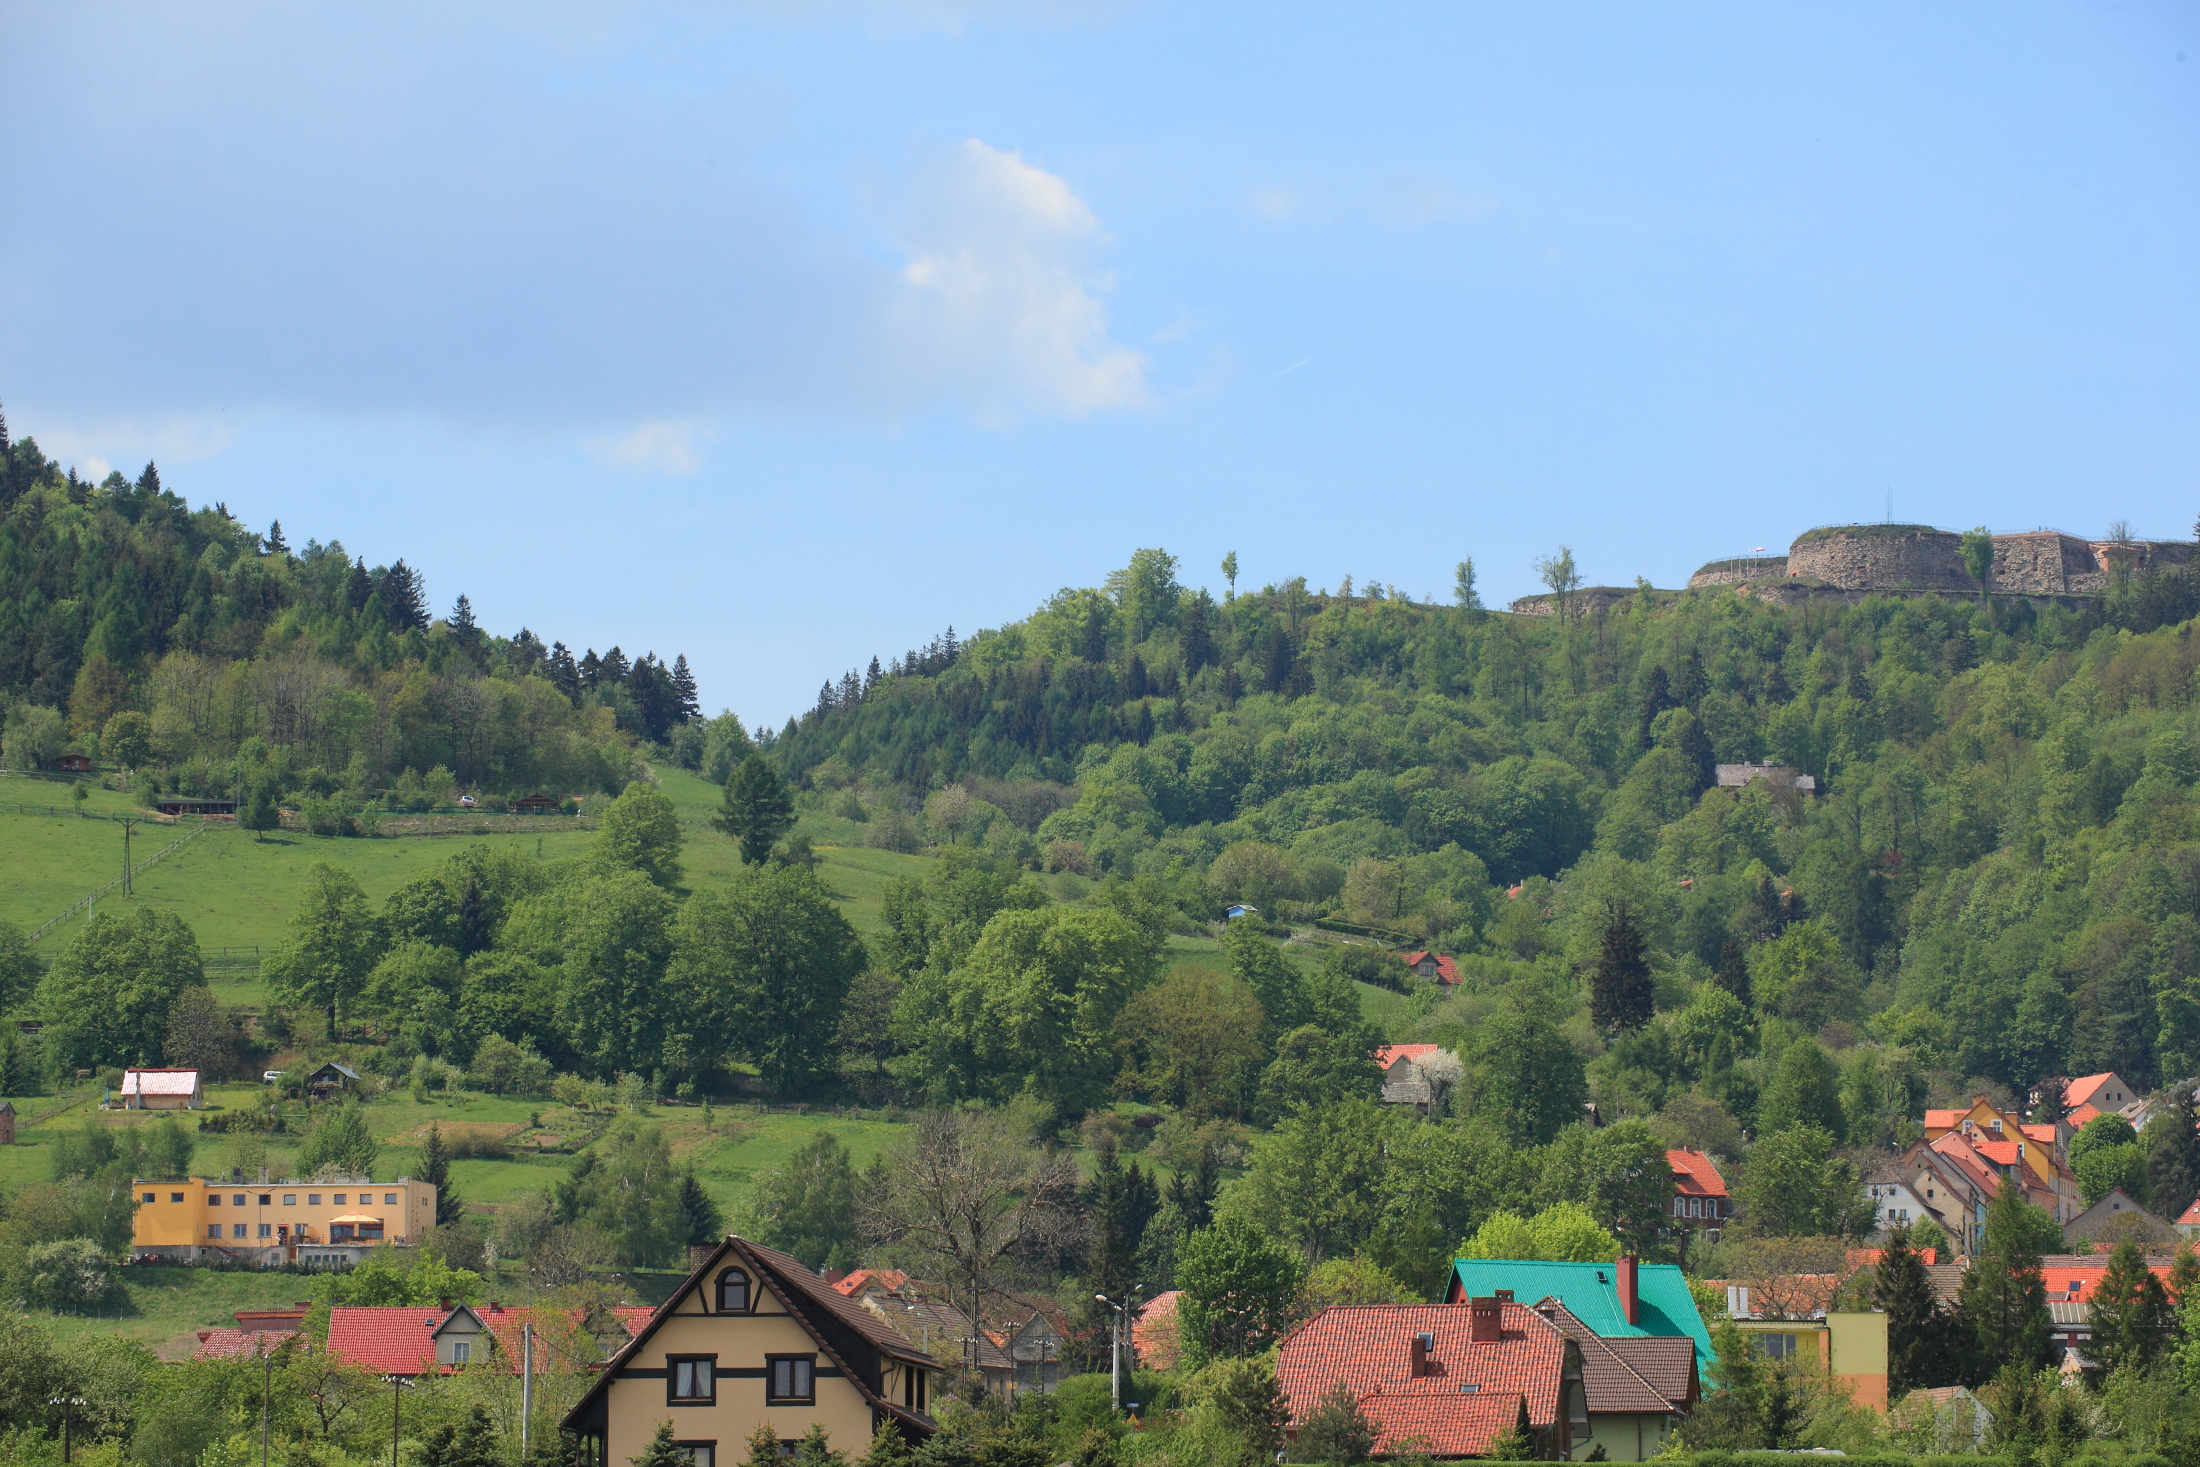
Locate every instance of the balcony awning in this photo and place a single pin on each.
(357, 1218)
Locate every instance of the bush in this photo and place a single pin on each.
(69, 1274)
(504, 1068)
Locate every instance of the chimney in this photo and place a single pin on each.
(1630, 1298)
(1485, 1321)
(443, 1303)
(1422, 1344)
(1503, 1296)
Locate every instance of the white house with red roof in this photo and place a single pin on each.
(1455, 1378)
(1700, 1198)
(162, 1089)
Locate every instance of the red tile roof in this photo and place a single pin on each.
(1694, 1175)
(1447, 971)
(2061, 1277)
(1869, 1257)
(1442, 1423)
(1154, 1336)
(1390, 1054)
(2044, 1135)
(2077, 1118)
(892, 1280)
(223, 1344)
(1369, 1348)
(2080, 1091)
(1667, 1362)
(400, 1339)
(2191, 1215)
(1944, 1120)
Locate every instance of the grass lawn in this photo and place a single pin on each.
(166, 1304)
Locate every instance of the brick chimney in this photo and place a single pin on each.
(1485, 1321)
(1422, 1344)
(1630, 1295)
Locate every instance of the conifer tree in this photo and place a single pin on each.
(1690, 686)
(591, 671)
(1230, 573)
(276, 545)
(1657, 696)
(755, 810)
(564, 675)
(359, 586)
(663, 1451)
(462, 622)
(1620, 991)
(1901, 1290)
(2173, 1158)
(614, 667)
(763, 1448)
(2131, 1311)
(1337, 1431)
(435, 1170)
(683, 688)
(260, 814)
(2004, 1298)
(1695, 748)
(1733, 973)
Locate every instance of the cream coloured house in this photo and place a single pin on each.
(754, 1338)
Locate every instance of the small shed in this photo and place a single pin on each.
(331, 1078)
(1239, 909)
(7, 1123)
(179, 805)
(536, 805)
(162, 1089)
(74, 764)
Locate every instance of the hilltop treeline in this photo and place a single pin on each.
(138, 629)
(1995, 878)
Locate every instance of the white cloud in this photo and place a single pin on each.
(94, 448)
(1003, 302)
(665, 447)
(1275, 202)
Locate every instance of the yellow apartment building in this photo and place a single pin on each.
(326, 1224)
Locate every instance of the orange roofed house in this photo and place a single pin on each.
(1456, 1379)
(2033, 1156)
(1700, 1199)
(1435, 967)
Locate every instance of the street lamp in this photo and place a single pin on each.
(397, 1423)
(68, 1405)
(1115, 1346)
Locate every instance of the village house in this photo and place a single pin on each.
(1455, 1379)
(1434, 967)
(1627, 1299)
(1895, 1202)
(1700, 1200)
(2116, 1217)
(1636, 1389)
(161, 1089)
(269, 1224)
(754, 1338)
(396, 1340)
(1419, 1075)
(2034, 1156)
(1791, 1317)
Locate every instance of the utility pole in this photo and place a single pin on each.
(397, 1413)
(267, 1367)
(526, 1384)
(1115, 1351)
(127, 821)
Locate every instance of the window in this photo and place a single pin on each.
(213, 1201)
(1695, 1207)
(267, 1230)
(339, 1199)
(313, 1199)
(290, 1199)
(1679, 1208)
(461, 1351)
(389, 1199)
(266, 1201)
(236, 1230)
(213, 1230)
(733, 1292)
(1778, 1347)
(699, 1454)
(791, 1382)
(691, 1380)
(147, 1197)
(175, 1196)
(237, 1201)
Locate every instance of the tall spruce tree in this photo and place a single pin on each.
(1733, 972)
(1620, 997)
(2131, 1312)
(683, 688)
(1917, 1344)
(2173, 1157)
(755, 810)
(2004, 1298)
(435, 1170)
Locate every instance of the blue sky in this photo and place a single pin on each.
(780, 334)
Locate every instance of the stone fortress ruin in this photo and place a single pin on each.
(1850, 562)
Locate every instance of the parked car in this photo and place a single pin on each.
(270, 1077)
(466, 802)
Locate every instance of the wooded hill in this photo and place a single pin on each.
(1996, 878)
(136, 628)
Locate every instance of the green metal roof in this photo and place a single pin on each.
(1591, 1292)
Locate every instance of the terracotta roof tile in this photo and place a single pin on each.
(1447, 971)
(1447, 1423)
(1390, 1054)
(892, 1280)
(1694, 1174)
(2080, 1091)
(1369, 1348)
(223, 1344)
(386, 1339)
(1154, 1336)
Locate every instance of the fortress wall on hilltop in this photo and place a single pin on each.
(1911, 559)
(1846, 562)
(1739, 572)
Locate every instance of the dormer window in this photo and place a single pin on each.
(733, 1292)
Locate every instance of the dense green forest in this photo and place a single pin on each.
(179, 642)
